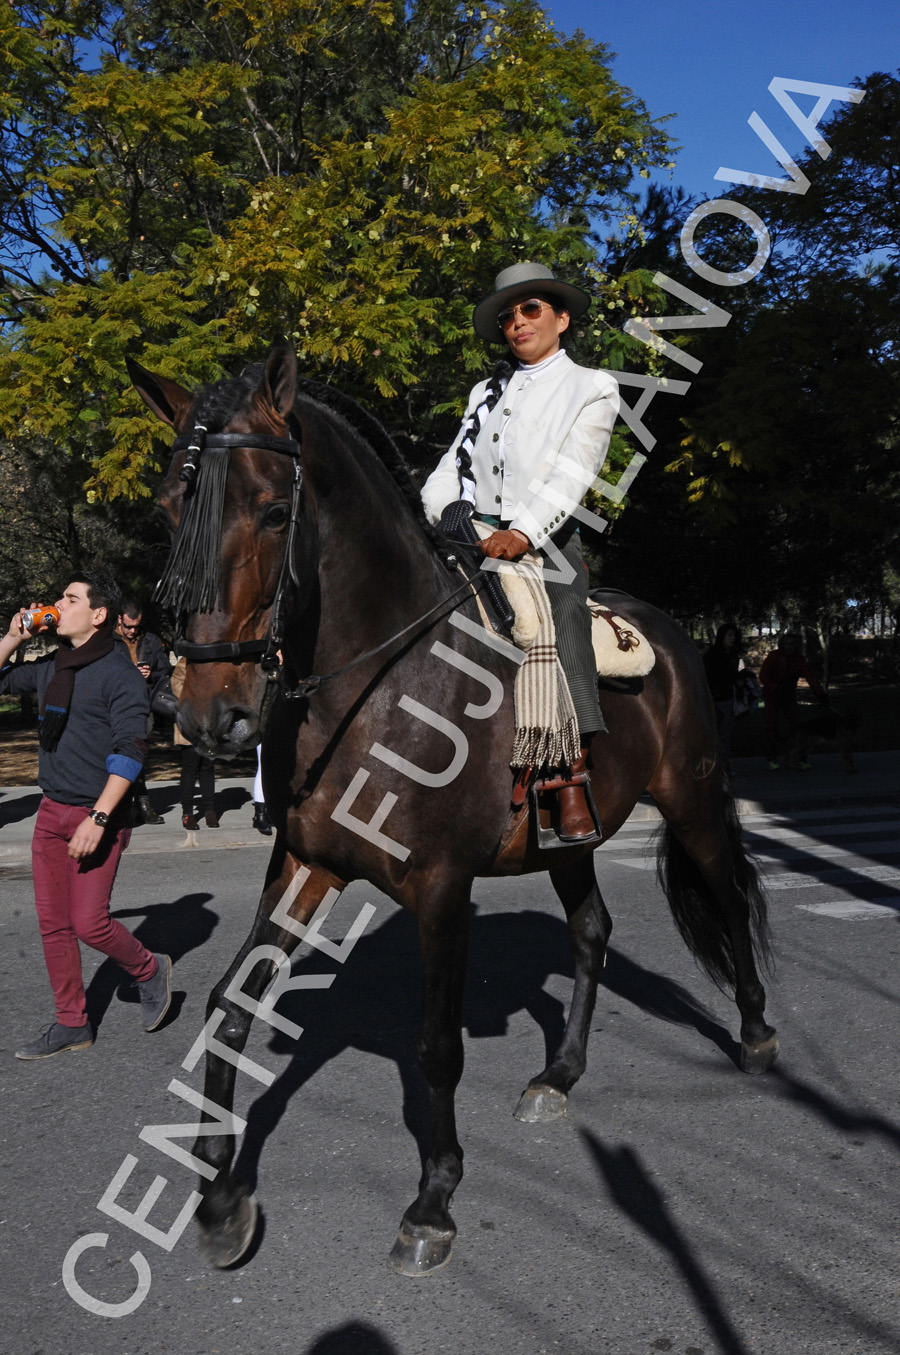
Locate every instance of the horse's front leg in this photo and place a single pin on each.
(546, 1096)
(427, 1229)
(227, 1213)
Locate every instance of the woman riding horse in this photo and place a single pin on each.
(386, 751)
(525, 461)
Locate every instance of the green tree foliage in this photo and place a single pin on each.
(47, 529)
(186, 182)
(783, 455)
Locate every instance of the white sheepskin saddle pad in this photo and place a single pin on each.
(621, 651)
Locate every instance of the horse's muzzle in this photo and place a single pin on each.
(225, 732)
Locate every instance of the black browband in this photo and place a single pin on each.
(261, 441)
(194, 443)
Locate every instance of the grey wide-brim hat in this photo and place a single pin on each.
(515, 280)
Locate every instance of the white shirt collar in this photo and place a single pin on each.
(532, 368)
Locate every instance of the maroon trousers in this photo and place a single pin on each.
(72, 901)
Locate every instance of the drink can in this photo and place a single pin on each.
(41, 618)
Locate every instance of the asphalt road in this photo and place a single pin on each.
(681, 1207)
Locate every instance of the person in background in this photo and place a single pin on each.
(93, 709)
(149, 657)
(194, 767)
(722, 662)
(781, 670)
(261, 821)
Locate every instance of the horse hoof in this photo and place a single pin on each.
(756, 1058)
(421, 1251)
(223, 1246)
(540, 1104)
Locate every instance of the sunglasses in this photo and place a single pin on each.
(529, 310)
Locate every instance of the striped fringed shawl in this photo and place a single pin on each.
(546, 727)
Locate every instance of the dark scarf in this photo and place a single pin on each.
(58, 696)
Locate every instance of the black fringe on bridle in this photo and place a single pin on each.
(191, 580)
(192, 576)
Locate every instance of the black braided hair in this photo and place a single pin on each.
(497, 383)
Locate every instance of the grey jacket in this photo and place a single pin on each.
(105, 731)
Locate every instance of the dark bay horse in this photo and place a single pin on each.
(386, 750)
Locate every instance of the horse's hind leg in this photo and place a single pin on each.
(427, 1229)
(227, 1213)
(714, 892)
(589, 928)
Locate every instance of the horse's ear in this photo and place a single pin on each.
(279, 385)
(169, 401)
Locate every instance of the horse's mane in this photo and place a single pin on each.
(381, 443)
(216, 404)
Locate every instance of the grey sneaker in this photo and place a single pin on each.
(56, 1039)
(156, 994)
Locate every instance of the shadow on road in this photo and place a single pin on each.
(631, 1189)
(15, 808)
(668, 1001)
(174, 928)
(356, 1338)
(375, 1009)
(166, 798)
(829, 1109)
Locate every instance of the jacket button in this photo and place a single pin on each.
(507, 411)
(495, 469)
(496, 437)
(497, 498)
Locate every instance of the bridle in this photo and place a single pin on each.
(267, 651)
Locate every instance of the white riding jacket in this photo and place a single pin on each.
(539, 449)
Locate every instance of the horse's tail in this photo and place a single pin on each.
(698, 915)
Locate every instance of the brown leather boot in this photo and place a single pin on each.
(576, 822)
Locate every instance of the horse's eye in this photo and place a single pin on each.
(276, 515)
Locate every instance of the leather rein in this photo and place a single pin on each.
(266, 651)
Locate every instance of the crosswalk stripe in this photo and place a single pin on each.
(778, 835)
(834, 876)
(825, 850)
(852, 910)
(822, 814)
(779, 819)
(831, 845)
(797, 849)
(828, 830)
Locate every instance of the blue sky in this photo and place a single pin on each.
(710, 63)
